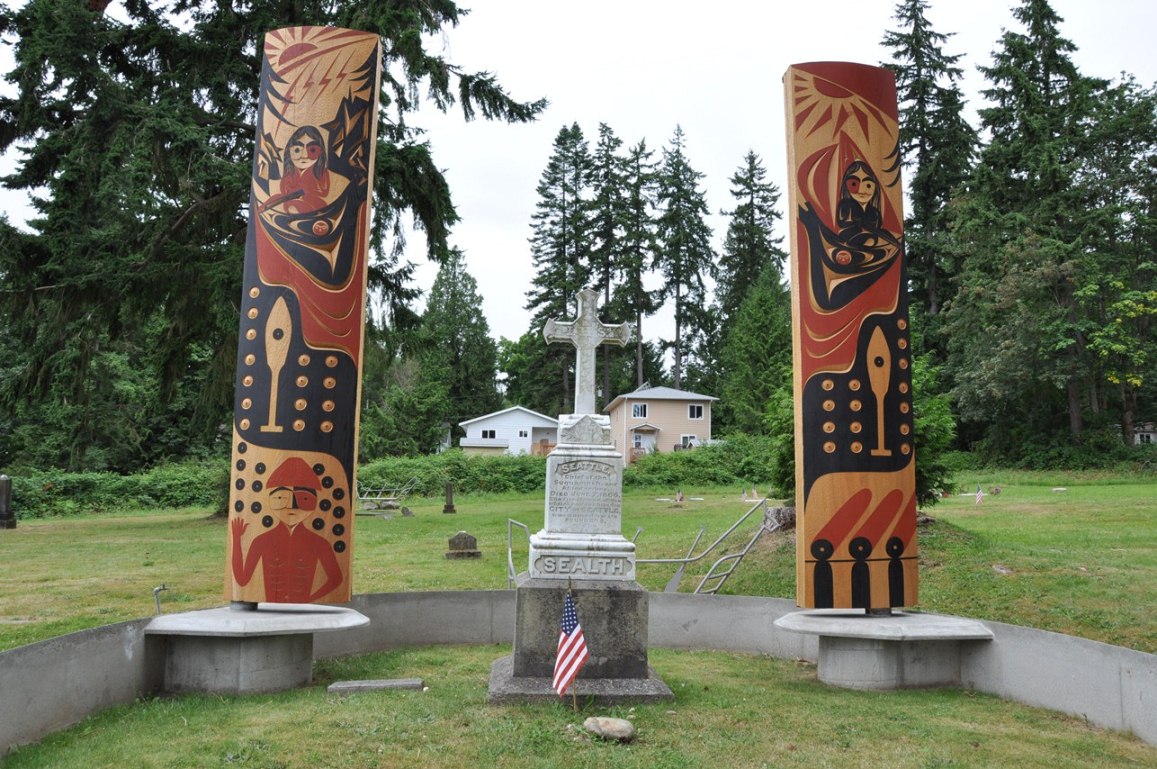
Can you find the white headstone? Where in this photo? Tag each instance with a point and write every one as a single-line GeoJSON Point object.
{"type": "Point", "coordinates": [582, 535]}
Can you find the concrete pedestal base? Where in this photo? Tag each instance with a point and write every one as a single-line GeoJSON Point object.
{"type": "Point", "coordinates": [857, 651]}
{"type": "Point", "coordinates": [614, 618]}
{"type": "Point", "coordinates": [229, 651]}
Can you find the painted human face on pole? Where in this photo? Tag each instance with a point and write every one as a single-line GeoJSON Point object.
{"type": "Point", "coordinates": [295, 428]}
{"type": "Point", "coordinates": [855, 470]}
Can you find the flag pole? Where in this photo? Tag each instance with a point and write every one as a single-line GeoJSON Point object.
{"type": "Point", "coordinates": [574, 683]}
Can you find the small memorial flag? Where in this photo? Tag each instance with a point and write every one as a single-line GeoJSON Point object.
{"type": "Point", "coordinates": [979, 494]}
{"type": "Point", "coordinates": [572, 648]}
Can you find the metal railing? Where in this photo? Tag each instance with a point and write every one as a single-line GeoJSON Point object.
{"type": "Point", "coordinates": [716, 572]}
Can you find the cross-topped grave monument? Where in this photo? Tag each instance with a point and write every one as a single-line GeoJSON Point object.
{"type": "Point", "coordinates": [581, 547]}
{"type": "Point", "coordinates": [582, 532]}
{"type": "Point", "coordinates": [586, 332]}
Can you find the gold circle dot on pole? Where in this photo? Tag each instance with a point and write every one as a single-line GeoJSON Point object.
{"type": "Point", "coordinates": [905, 429]}
{"type": "Point", "coordinates": [903, 387]}
{"type": "Point", "coordinates": [326, 426]}
{"type": "Point", "coordinates": [905, 449]}
{"type": "Point", "coordinates": [300, 404]}
{"type": "Point", "coordinates": [251, 334]}
{"type": "Point", "coordinates": [855, 405]}
{"type": "Point", "coordinates": [250, 359]}
{"type": "Point", "coordinates": [254, 292]}
{"type": "Point", "coordinates": [247, 380]}
{"type": "Point", "coordinates": [244, 424]}
{"type": "Point", "coordinates": [854, 385]}
{"type": "Point", "coordinates": [331, 361]}
{"type": "Point", "coordinates": [329, 382]}
{"type": "Point", "coordinates": [302, 380]}
{"type": "Point", "coordinates": [902, 343]}
{"type": "Point", "coordinates": [328, 405]}
{"type": "Point", "coordinates": [303, 360]}
{"type": "Point", "coordinates": [827, 384]}
{"type": "Point", "coordinates": [246, 403]}
{"type": "Point", "coordinates": [855, 427]}
{"type": "Point", "coordinates": [901, 324]}
{"type": "Point", "coordinates": [830, 447]}
{"type": "Point", "coordinates": [905, 408]}
{"type": "Point", "coordinates": [299, 424]}
{"type": "Point", "coordinates": [903, 363]}
{"type": "Point", "coordinates": [253, 313]}
{"type": "Point", "coordinates": [857, 447]}
{"type": "Point", "coordinates": [829, 427]}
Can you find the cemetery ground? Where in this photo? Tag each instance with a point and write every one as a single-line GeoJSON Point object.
{"type": "Point", "coordinates": [1078, 561]}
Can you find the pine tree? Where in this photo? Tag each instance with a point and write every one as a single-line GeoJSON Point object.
{"type": "Point", "coordinates": [638, 251]}
{"type": "Point", "coordinates": [756, 355]}
{"type": "Point", "coordinates": [751, 243]}
{"type": "Point", "coordinates": [1018, 338]}
{"type": "Point", "coordinates": [938, 146]}
{"type": "Point", "coordinates": [608, 213]}
{"type": "Point", "coordinates": [685, 256]}
{"type": "Point", "coordinates": [459, 343]}
{"type": "Point", "coordinates": [137, 139]}
{"type": "Point", "coordinates": [560, 243]}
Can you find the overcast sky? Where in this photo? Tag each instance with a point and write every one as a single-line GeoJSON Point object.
{"type": "Point", "coordinates": [645, 66]}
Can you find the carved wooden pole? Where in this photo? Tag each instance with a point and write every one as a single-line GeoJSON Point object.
{"type": "Point", "coordinates": [295, 424]}
{"type": "Point", "coordinates": [855, 472]}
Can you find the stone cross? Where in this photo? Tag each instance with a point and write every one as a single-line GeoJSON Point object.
{"type": "Point", "coordinates": [586, 332]}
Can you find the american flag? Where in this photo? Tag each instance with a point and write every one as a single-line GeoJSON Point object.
{"type": "Point", "coordinates": [572, 648]}
{"type": "Point", "coordinates": [979, 494]}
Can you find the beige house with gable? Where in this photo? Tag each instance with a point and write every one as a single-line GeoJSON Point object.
{"type": "Point", "coordinates": [659, 419]}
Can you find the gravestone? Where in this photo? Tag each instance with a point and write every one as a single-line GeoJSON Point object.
{"type": "Point", "coordinates": [449, 506]}
{"type": "Point", "coordinates": [7, 514]}
{"type": "Point", "coordinates": [581, 548]}
{"type": "Point", "coordinates": [463, 545]}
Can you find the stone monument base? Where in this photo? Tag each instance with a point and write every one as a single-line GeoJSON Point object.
{"type": "Point", "coordinates": [508, 689]}
{"type": "Point", "coordinates": [900, 651]}
{"type": "Point", "coordinates": [613, 616]}
{"type": "Point", "coordinates": [231, 651]}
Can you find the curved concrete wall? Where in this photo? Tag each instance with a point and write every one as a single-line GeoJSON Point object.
{"type": "Point", "coordinates": [52, 684]}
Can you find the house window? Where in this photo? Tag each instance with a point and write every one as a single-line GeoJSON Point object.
{"type": "Point", "coordinates": [687, 441]}
{"type": "Point", "coordinates": [638, 441]}
{"type": "Point", "coordinates": [639, 411]}
{"type": "Point", "coordinates": [488, 434]}
{"type": "Point", "coordinates": [522, 433]}
{"type": "Point", "coordinates": [695, 411]}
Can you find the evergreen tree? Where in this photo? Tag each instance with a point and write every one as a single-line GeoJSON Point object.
{"type": "Point", "coordinates": [756, 354]}
{"type": "Point", "coordinates": [751, 243]}
{"type": "Point", "coordinates": [938, 146]}
{"type": "Point", "coordinates": [458, 342]}
{"type": "Point", "coordinates": [560, 243]}
{"type": "Point", "coordinates": [139, 178]}
{"type": "Point", "coordinates": [685, 257]}
{"type": "Point", "coordinates": [1019, 341]}
{"type": "Point", "coordinates": [608, 214]}
{"type": "Point", "coordinates": [638, 251]}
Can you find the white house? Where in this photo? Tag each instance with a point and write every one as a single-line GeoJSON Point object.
{"type": "Point", "coordinates": [515, 430]}
{"type": "Point", "coordinates": [1144, 433]}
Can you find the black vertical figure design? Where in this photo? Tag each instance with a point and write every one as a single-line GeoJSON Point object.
{"type": "Point", "coordinates": [861, 549]}
{"type": "Point", "coordinates": [822, 580]}
{"type": "Point", "coordinates": [895, 549]}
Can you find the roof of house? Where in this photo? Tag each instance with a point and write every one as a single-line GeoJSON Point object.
{"type": "Point", "coordinates": [658, 394]}
{"type": "Point", "coordinates": [493, 414]}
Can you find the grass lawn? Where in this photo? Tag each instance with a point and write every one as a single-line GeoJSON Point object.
{"type": "Point", "coordinates": [1080, 561]}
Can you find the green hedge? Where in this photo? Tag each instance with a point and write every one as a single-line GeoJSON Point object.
{"type": "Point", "coordinates": [741, 460]}
{"type": "Point", "coordinates": [186, 484]}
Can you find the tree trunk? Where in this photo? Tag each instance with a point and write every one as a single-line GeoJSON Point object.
{"type": "Point", "coordinates": [1076, 420]}
{"type": "Point", "coordinates": [1128, 409]}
